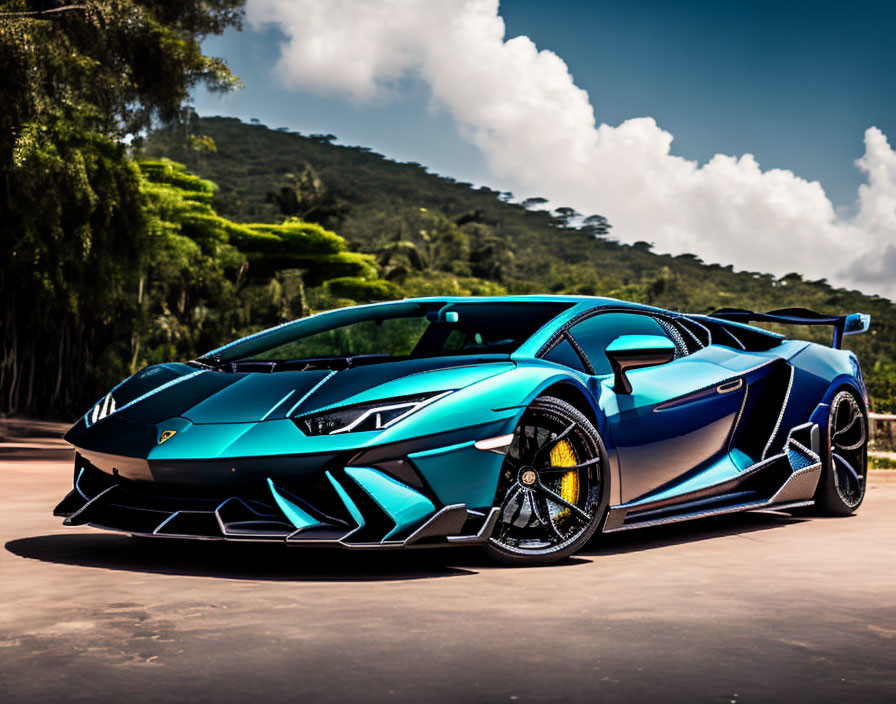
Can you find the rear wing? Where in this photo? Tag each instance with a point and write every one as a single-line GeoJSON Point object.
{"type": "Point", "coordinates": [843, 324]}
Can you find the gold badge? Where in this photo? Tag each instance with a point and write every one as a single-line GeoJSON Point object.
{"type": "Point", "coordinates": [166, 434]}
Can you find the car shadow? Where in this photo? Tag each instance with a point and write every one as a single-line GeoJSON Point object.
{"type": "Point", "coordinates": [232, 560]}
{"type": "Point", "coordinates": [262, 562]}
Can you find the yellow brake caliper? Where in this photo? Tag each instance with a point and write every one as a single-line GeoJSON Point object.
{"type": "Point", "coordinates": [562, 455]}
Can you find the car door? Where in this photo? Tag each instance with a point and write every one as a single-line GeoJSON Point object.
{"type": "Point", "coordinates": [679, 416]}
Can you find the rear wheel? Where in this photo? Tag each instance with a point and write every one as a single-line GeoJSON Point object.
{"type": "Point", "coordinates": [842, 485]}
{"type": "Point", "coordinates": [553, 489]}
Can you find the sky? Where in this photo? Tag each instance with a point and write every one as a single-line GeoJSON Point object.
{"type": "Point", "coordinates": [755, 133]}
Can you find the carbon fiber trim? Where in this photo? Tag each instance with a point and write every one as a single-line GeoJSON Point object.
{"type": "Point", "coordinates": [800, 465]}
{"type": "Point", "coordinates": [101, 501]}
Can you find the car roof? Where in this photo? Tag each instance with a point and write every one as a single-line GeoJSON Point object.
{"type": "Point", "coordinates": [530, 298]}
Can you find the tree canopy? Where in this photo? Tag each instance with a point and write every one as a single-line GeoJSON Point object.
{"type": "Point", "coordinates": [78, 80]}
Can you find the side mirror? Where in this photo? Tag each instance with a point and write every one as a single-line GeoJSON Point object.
{"type": "Point", "coordinates": [636, 351]}
{"type": "Point", "coordinates": [856, 323]}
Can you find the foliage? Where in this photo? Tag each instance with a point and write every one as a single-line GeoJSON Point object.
{"type": "Point", "coordinates": [881, 380]}
{"type": "Point", "coordinates": [431, 235]}
{"type": "Point", "coordinates": [876, 461]}
{"type": "Point", "coordinates": [361, 290]}
{"type": "Point", "coordinates": [209, 279]}
{"type": "Point", "coordinates": [77, 79]}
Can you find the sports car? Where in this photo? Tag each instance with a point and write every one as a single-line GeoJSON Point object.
{"type": "Point", "coordinates": [521, 424]}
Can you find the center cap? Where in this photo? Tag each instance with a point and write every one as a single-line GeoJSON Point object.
{"type": "Point", "coordinates": [528, 477]}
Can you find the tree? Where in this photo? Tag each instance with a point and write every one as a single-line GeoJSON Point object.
{"type": "Point", "coordinates": [566, 215]}
{"type": "Point", "coordinates": [304, 195]}
{"type": "Point", "coordinates": [211, 279]}
{"type": "Point", "coordinates": [596, 226]}
{"type": "Point", "coordinates": [77, 80]}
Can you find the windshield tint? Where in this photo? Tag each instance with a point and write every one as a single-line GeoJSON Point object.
{"type": "Point", "coordinates": [401, 330]}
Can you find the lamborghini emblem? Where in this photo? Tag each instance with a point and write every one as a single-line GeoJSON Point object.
{"type": "Point", "coordinates": [166, 434]}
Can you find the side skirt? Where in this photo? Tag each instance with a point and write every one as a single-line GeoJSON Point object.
{"type": "Point", "coordinates": [783, 481]}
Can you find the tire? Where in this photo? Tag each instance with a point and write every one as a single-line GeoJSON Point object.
{"type": "Point", "coordinates": [554, 486]}
{"type": "Point", "coordinates": [841, 488]}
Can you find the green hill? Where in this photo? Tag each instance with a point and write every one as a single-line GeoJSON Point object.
{"type": "Point", "coordinates": [431, 234]}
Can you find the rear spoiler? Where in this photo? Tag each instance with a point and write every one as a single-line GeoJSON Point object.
{"type": "Point", "coordinates": [843, 324]}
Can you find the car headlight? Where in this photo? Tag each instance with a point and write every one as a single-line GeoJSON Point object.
{"type": "Point", "coordinates": [102, 408]}
{"type": "Point", "coordinates": [365, 416]}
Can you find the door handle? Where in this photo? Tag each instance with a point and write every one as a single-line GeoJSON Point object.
{"type": "Point", "coordinates": [730, 386]}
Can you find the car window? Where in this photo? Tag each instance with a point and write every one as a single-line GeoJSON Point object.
{"type": "Point", "coordinates": [595, 333]}
{"type": "Point", "coordinates": [563, 353]}
{"type": "Point", "coordinates": [405, 329]}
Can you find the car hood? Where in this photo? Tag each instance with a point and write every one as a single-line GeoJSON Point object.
{"type": "Point", "coordinates": [205, 396]}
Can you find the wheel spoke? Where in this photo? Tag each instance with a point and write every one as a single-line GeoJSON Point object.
{"type": "Point", "coordinates": [510, 496]}
{"type": "Point", "coordinates": [847, 427]}
{"type": "Point", "coordinates": [549, 445]}
{"type": "Point", "coordinates": [557, 499]}
{"type": "Point", "coordinates": [849, 448]}
{"type": "Point", "coordinates": [544, 515]}
{"type": "Point", "coordinates": [844, 408]}
{"type": "Point", "coordinates": [840, 434]}
{"type": "Point", "coordinates": [850, 472]}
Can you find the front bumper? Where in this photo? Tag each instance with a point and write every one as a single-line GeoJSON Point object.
{"type": "Point", "coordinates": [383, 497]}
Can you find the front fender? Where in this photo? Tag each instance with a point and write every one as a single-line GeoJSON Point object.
{"type": "Point", "coordinates": [503, 397]}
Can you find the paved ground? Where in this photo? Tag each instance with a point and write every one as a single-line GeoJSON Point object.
{"type": "Point", "coordinates": [756, 607]}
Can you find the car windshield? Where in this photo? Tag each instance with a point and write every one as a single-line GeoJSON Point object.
{"type": "Point", "coordinates": [407, 329]}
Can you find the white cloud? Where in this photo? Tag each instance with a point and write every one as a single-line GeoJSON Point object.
{"type": "Point", "coordinates": [537, 130]}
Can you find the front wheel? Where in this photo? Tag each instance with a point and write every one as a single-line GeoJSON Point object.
{"type": "Point", "coordinates": [845, 466]}
{"type": "Point", "coordinates": [554, 486]}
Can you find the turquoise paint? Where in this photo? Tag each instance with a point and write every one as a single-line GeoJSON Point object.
{"type": "Point", "coordinates": [353, 509]}
{"type": "Point", "coordinates": [461, 474]}
{"type": "Point", "coordinates": [441, 450]}
{"type": "Point", "coordinates": [273, 437]}
{"type": "Point", "coordinates": [626, 343]}
{"type": "Point", "coordinates": [198, 441]}
{"type": "Point", "coordinates": [741, 459]}
{"type": "Point", "coordinates": [298, 403]}
{"type": "Point", "coordinates": [495, 398]}
{"type": "Point", "coordinates": [278, 404]}
{"type": "Point", "coordinates": [432, 381]}
{"type": "Point", "coordinates": [402, 504]}
{"type": "Point", "coordinates": [252, 398]}
{"type": "Point", "coordinates": [299, 518]}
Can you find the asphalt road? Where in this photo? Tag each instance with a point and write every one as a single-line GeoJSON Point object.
{"type": "Point", "coordinates": [746, 608]}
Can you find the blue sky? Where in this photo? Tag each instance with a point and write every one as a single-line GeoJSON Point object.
{"type": "Point", "coordinates": [728, 129]}
{"type": "Point", "coordinates": [794, 82]}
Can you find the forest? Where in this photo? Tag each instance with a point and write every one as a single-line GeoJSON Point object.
{"type": "Point", "coordinates": [137, 232]}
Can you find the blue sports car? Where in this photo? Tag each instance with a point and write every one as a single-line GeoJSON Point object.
{"type": "Point", "coordinates": [521, 424]}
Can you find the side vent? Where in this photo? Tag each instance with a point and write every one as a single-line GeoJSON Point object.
{"type": "Point", "coordinates": [405, 506]}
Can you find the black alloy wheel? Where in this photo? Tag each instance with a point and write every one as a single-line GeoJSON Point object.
{"type": "Point", "coordinates": [845, 468]}
{"type": "Point", "coordinates": [554, 486]}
